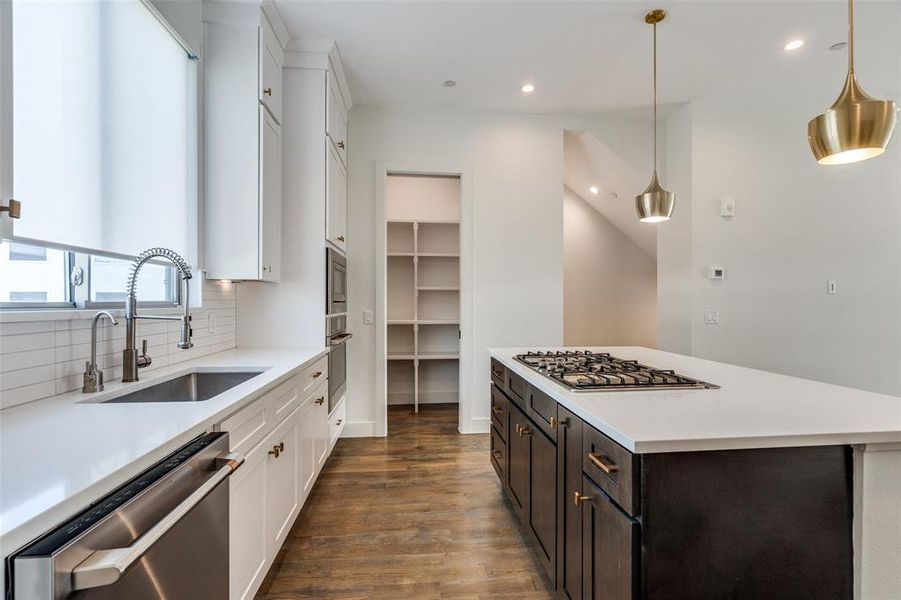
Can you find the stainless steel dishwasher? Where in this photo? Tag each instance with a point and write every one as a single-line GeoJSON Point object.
{"type": "Point", "coordinates": [164, 534]}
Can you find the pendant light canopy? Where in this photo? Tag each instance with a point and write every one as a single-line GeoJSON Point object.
{"type": "Point", "coordinates": [655, 204]}
{"type": "Point", "coordinates": [856, 127]}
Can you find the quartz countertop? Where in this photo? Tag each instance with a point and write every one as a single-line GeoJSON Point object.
{"type": "Point", "coordinates": [752, 408]}
{"type": "Point", "coordinates": [60, 454]}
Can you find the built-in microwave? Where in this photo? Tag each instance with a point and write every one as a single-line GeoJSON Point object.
{"type": "Point", "coordinates": [336, 282]}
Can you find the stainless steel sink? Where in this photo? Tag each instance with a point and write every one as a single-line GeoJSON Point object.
{"type": "Point", "coordinates": [193, 387]}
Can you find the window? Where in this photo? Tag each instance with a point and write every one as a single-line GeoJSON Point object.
{"type": "Point", "coordinates": [104, 122]}
{"type": "Point", "coordinates": [36, 277]}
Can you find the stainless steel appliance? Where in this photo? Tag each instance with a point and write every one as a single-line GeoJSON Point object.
{"type": "Point", "coordinates": [336, 282]}
{"type": "Point", "coordinates": [164, 534]}
{"type": "Point", "coordinates": [337, 359]}
{"type": "Point", "coordinates": [582, 370]}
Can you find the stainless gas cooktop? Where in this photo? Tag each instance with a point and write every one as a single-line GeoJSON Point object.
{"type": "Point", "coordinates": [581, 370]}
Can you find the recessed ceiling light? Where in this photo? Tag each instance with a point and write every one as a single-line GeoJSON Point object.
{"type": "Point", "coordinates": [838, 46]}
{"type": "Point", "coordinates": [527, 88]}
{"type": "Point", "coordinates": [594, 190]}
{"type": "Point", "coordinates": [450, 83]}
{"type": "Point", "coordinates": [794, 45]}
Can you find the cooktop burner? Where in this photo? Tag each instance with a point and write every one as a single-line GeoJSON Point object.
{"type": "Point", "coordinates": [581, 370]}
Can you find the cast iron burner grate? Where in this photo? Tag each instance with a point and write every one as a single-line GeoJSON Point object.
{"type": "Point", "coordinates": [582, 370]}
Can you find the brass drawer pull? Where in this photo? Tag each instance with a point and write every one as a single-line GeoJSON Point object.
{"type": "Point", "coordinates": [317, 374]}
{"type": "Point", "coordinates": [498, 373]}
{"type": "Point", "coordinates": [522, 430]}
{"type": "Point", "coordinates": [601, 462]}
{"type": "Point", "coordinates": [340, 145]}
{"type": "Point", "coordinates": [320, 400]}
{"type": "Point", "coordinates": [277, 449]}
{"type": "Point", "coordinates": [497, 455]}
{"type": "Point", "coordinates": [578, 498]}
{"type": "Point", "coordinates": [497, 411]}
{"type": "Point", "coordinates": [268, 91]}
{"type": "Point", "coordinates": [340, 238]}
{"type": "Point", "coordinates": [553, 422]}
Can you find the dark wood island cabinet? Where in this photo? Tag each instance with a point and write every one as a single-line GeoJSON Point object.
{"type": "Point", "coordinates": [772, 523]}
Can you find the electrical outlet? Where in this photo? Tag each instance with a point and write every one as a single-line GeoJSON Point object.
{"type": "Point", "coordinates": [712, 316]}
{"type": "Point", "coordinates": [367, 317]}
{"type": "Point", "coordinates": [831, 287]}
{"type": "Point", "coordinates": [727, 208]}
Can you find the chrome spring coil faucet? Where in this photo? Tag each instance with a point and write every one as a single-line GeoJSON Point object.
{"type": "Point", "coordinates": [131, 360]}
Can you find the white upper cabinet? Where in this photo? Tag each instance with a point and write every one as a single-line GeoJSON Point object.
{"type": "Point", "coordinates": [242, 146]}
{"type": "Point", "coordinates": [336, 120]}
{"type": "Point", "coordinates": [336, 191]}
{"type": "Point", "coordinates": [270, 72]}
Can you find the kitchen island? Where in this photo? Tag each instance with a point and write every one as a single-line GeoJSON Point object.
{"type": "Point", "coordinates": [745, 490]}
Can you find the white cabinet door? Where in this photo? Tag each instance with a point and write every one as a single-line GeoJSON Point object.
{"type": "Point", "coordinates": [320, 423]}
{"type": "Point", "coordinates": [307, 453]}
{"type": "Point", "coordinates": [270, 72]}
{"type": "Point", "coordinates": [247, 525]}
{"type": "Point", "coordinates": [336, 193]}
{"type": "Point", "coordinates": [336, 121]}
{"type": "Point", "coordinates": [282, 484]}
{"type": "Point", "coordinates": [270, 198]}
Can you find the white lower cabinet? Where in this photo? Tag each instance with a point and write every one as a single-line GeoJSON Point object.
{"type": "Point", "coordinates": [247, 525]}
{"type": "Point", "coordinates": [282, 481]}
{"type": "Point", "coordinates": [268, 490]}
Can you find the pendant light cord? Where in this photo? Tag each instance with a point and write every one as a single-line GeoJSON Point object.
{"type": "Point", "coordinates": [655, 98]}
{"type": "Point", "coordinates": [851, 36]}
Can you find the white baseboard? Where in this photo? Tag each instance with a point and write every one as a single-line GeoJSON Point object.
{"type": "Point", "coordinates": [356, 429]}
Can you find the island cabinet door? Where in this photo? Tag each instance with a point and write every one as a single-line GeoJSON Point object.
{"type": "Point", "coordinates": [542, 507]}
{"type": "Point", "coordinates": [610, 548]}
{"type": "Point", "coordinates": [569, 520]}
{"type": "Point", "coordinates": [518, 462]}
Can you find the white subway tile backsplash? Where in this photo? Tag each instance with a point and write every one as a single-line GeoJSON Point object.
{"type": "Point", "coordinates": [43, 358]}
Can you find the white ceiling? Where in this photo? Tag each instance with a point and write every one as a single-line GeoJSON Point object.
{"type": "Point", "coordinates": [588, 162]}
{"type": "Point", "coordinates": [582, 56]}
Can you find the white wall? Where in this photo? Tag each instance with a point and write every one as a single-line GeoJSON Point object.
{"type": "Point", "coordinates": [515, 164]}
{"type": "Point", "coordinates": [609, 282]}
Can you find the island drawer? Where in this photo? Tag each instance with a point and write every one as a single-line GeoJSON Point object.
{"type": "Point", "coordinates": [517, 389]}
{"type": "Point", "coordinates": [499, 455]}
{"type": "Point", "coordinates": [314, 374]}
{"type": "Point", "coordinates": [498, 373]}
{"type": "Point", "coordinates": [499, 411]}
{"type": "Point", "coordinates": [542, 409]}
{"type": "Point", "coordinates": [613, 468]}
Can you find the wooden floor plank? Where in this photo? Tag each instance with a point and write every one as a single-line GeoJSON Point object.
{"type": "Point", "coordinates": [419, 514]}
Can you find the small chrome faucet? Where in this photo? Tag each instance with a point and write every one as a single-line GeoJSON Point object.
{"type": "Point", "coordinates": [131, 360]}
{"type": "Point", "coordinates": [93, 377]}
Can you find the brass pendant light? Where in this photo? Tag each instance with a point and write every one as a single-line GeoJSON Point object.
{"type": "Point", "coordinates": [856, 127]}
{"type": "Point", "coordinates": [655, 204]}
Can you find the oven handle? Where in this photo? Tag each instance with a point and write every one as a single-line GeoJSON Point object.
{"type": "Point", "coordinates": [105, 567]}
{"type": "Point", "coordinates": [339, 339]}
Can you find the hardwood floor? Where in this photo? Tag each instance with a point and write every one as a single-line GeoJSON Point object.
{"type": "Point", "coordinates": [416, 515]}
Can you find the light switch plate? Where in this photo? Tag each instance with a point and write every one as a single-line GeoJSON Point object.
{"type": "Point", "coordinates": [727, 208]}
{"type": "Point", "coordinates": [712, 316]}
{"type": "Point", "coordinates": [367, 317]}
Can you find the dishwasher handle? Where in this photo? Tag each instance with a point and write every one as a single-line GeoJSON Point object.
{"type": "Point", "coordinates": [106, 567]}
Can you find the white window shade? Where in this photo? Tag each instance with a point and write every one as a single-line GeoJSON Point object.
{"type": "Point", "coordinates": [102, 118]}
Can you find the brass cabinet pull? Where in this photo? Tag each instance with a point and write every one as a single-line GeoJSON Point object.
{"type": "Point", "coordinates": [14, 209]}
{"type": "Point", "coordinates": [281, 446]}
{"type": "Point", "coordinates": [497, 455]}
{"type": "Point", "coordinates": [317, 374]}
{"type": "Point", "coordinates": [578, 498]}
{"type": "Point", "coordinates": [320, 400]}
{"type": "Point", "coordinates": [268, 91]}
{"type": "Point", "coordinates": [497, 411]}
{"type": "Point", "coordinates": [602, 463]}
{"type": "Point", "coordinates": [498, 373]}
{"type": "Point", "coordinates": [523, 430]}
{"type": "Point", "coordinates": [340, 238]}
{"type": "Point", "coordinates": [340, 145]}
{"type": "Point", "coordinates": [553, 422]}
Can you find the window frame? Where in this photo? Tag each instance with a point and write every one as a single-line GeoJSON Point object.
{"type": "Point", "coordinates": [79, 296]}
